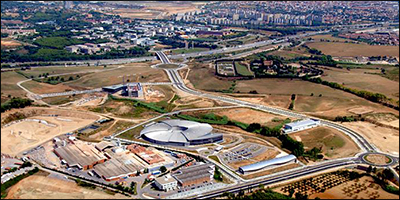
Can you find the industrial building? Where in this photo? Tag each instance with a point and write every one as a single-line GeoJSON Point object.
{"type": "Point", "coordinates": [267, 163]}
{"type": "Point", "coordinates": [166, 183]}
{"type": "Point", "coordinates": [300, 125]}
{"type": "Point", "coordinates": [152, 158]}
{"type": "Point", "coordinates": [121, 165]}
{"type": "Point", "coordinates": [180, 133]}
{"type": "Point", "coordinates": [80, 155]}
{"type": "Point", "coordinates": [127, 89]}
{"type": "Point", "coordinates": [195, 174]}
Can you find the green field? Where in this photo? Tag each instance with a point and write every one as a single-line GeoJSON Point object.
{"type": "Point", "coordinates": [350, 49]}
{"type": "Point", "coordinates": [242, 69]}
{"type": "Point", "coordinates": [191, 50]}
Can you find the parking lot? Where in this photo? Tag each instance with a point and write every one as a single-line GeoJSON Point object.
{"type": "Point", "coordinates": [243, 152]}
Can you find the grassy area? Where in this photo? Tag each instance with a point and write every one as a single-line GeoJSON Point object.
{"type": "Point", "coordinates": [36, 71]}
{"type": "Point", "coordinates": [214, 158]}
{"type": "Point", "coordinates": [184, 51]}
{"type": "Point", "coordinates": [392, 74]}
{"type": "Point", "coordinates": [131, 134]}
{"type": "Point", "coordinates": [62, 99]}
{"type": "Point", "coordinates": [203, 78]}
{"type": "Point", "coordinates": [168, 66]}
{"type": "Point", "coordinates": [242, 69]}
{"type": "Point", "coordinates": [9, 85]}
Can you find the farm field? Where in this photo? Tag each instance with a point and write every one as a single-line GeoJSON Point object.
{"type": "Point", "coordinates": [9, 85]}
{"type": "Point", "coordinates": [41, 186]}
{"type": "Point", "coordinates": [317, 38]}
{"type": "Point", "coordinates": [372, 189]}
{"type": "Point", "coordinates": [361, 79]}
{"type": "Point", "coordinates": [334, 143]}
{"type": "Point", "coordinates": [386, 139]}
{"type": "Point", "coordinates": [332, 102]}
{"type": "Point", "coordinates": [349, 49]}
{"type": "Point", "coordinates": [27, 134]}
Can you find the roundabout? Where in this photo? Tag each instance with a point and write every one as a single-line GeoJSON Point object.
{"type": "Point", "coordinates": [378, 159]}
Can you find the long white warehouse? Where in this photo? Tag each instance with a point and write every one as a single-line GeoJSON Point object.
{"type": "Point", "coordinates": [300, 125]}
{"type": "Point", "coordinates": [267, 163]}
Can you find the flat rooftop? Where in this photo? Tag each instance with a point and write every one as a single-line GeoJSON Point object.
{"type": "Point", "coordinates": [79, 154]}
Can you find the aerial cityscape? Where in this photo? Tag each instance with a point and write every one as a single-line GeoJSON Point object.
{"type": "Point", "coordinates": [200, 100]}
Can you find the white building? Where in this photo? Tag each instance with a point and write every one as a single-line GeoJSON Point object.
{"type": "Point", "coordinates": [166, 183]}
{"type": "Point", "coordinates": [300, 125]}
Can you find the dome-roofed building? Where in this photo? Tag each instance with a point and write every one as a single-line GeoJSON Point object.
{"type": "Point", "coordinates": [180, 133]}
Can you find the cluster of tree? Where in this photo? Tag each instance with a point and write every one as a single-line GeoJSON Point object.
{"type": "Point", "coordinates": [85, 184]}
{"type": "Point", "coordinates": [323, 60]}
{"type": "Point", "coordinates": [292, 98]}
{"type": "Point", "coordinates": [217, 174]}
{"type": "Point", "coordinates": [297, 148]}
{"type": "Point", "coordinates": [374, 97]}
{"type": "Point", "coordinates": [314, 153]}
{"type": "Point", "coordinates": [57, 42]}
{"type": "Point", "coordinates": [174, 42]}
{"type": "Point", "coordinates": [47, 54]}
{"type": "Point", "coordinates": [235, 35]}
{"type": "Point", "coordinates": [259, 194]}
{"type": "Point", "coordinates": [4, 35]}
{"type": "Point", "coordinates": [348, 118]}
{"type": "Point", "coordinates": [15, 102]}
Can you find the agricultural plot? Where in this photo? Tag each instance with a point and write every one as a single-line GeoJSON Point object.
{"type": "Point", "coordinates": [353, 50]}
{"type": "Point", "coordinates": [365, 79]}
{"type": "Point", "coordinates": [184, 51]}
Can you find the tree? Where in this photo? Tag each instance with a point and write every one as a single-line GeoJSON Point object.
{"type": "Point", "coordinates": [62, 79]}
{"type": "Point", "coordinates": [163, 169]}
{"type": "Point", "coordinates": [291, 192]}
{"type": "Point", "coordinates": [320, 95]}
{"type": "Point", "coordinates": [312, 94]}
{"type": "Point", "coordinates": [70, 78]}
{"type": "Point", "coordinates": [369, 170]}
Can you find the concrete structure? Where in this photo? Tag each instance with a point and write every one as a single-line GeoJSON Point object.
{"type": "Point", "coordinates": [152, 158]}
{"type": "Point", "coordinates": [195, 174]}
{"type": "Point", "coordinates": [180, 133]}
{"type": "Point", "coordinates": [267, 163]}
{"type": "Point", "coordinates": [300, 125]}
{"type": "Point", "coordinates": [132, 90]}
{"type": "Point", "coordinates": [166, 183]}
{"type": "Point", "coordinates": [113, 88]}
{"type": "Point", "coordinates": [80, 155]}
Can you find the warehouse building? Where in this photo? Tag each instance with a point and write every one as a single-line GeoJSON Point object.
{"type": "Point", "coordinates": [121, 165]}
{"type": "Point", "coordinates": [300, 125]}
{"type": "Point", "coordinates": [153, 158]}
{"type": "Point", "coordinates": [180, 133]}
{"type": "Point", "coordinates": [195, 174]}
{"type": "Point", "coordinates": [80, 155]}
{"type": "Point", "coordinates": [268, 163]}
{"type": "Point", "coordinates": [166, 183]}
{"type": "Point", "coordinates": [113, 88]}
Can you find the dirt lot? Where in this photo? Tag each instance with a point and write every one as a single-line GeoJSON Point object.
{"type": "Point", "coordinates": [43, 88]}
{"type": "Point", "coordinates": [377, 159]}
{"type": "Point", "coordinates": [9, 44]}
{"type": "Point", "coordinates": [333, 142]}
{"type": "Point", "coordinates": [338, 192]}
{"type": "Point", "coordinates": [349, 49]}
{"type": "Point", "coordinates": [249, 116]}
{"type": "Point", "coordinates": [39, 187]}
{"type": "Point", "coordinates": [359, 79]}
{"type": "Point", "coordinates": [26, 134]}
{"type": "Point", "coordinates": [386, 139]}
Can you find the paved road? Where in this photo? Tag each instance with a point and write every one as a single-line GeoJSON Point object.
{"type": "Point", "coordinates": [305, 170]}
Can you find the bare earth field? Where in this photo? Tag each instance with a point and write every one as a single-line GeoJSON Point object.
{"type": "Point", "coordinates": [6, 44]}
{"type": "Point", "coordinates": [9, 85]}
{"type": "Point", "coordinates": [26, 134]}
{"type": "Point", "coordinates": [338, 191]}
{"type": "Point", "coordinates": [333, 142]}
{"type": "Point", "coordinates": [358, 79]}
{"type": "Point", "coordinates": [43, 88]}
{"type": "Point", "coordinates": [202, 77]}
{"type": "Point", "coordinates": [249, 116]}
{"type": "Point", "coordinates": [349, 49]}
{"type": "Point", "coordinates": [271, 171]}
{"type": "Point", "coordinates": [39, 187]}
{"type": "Point", "coordinates": [386, 139]}
{"type": "Point", "coordinates": [35, 71]}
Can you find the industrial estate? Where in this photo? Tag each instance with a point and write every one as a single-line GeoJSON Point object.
{"type": "Point", "coordinates": [224, 100]}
